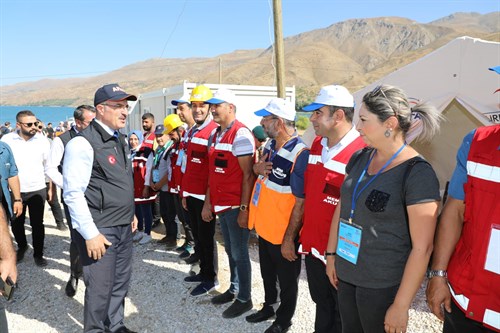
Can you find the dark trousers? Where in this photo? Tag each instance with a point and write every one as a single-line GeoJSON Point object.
{"type": "Point", "coordinates": [457, 322]}
{"type": "Point", "coordinates": [107, 280]}
{"type": "Point", "coordinates": [35, 202]}
{"type": "Point", "coordinates": [279, 274]}
{"type": "Point", "coordinates": [4, 328]}
{"type": "Point", "coordinates": [204, 232]}
{"type": "Point", "coordinates": [363, 309]}
{"type": "Point", "coordinates": [74, 255]}
{"type": "Point", "coordinates": [168, 214]}
{"type": "Point", "coordinates": [155, 210]}
{"type": "Point", "coordinates": [144, 217]}
{"type": "Point", "coordinates": [324, 295]}
{"type": "Point", "coordinates": [183, 216]}
{"type": "Point", "coordinates": [55, 207]}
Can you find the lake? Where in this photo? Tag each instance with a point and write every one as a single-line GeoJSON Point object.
{"type": "Point", "coordinates": [52, 114]}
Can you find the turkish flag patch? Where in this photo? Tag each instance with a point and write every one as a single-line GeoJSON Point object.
{"type": "Point", "coordinates": [111, 159]}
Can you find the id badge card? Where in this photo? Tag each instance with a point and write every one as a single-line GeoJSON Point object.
{"type": "Point", "coordinates": [156, 175]}
{"type": "Point", "coordinates": [183, 162]}
{"type": "Point", "coordinates": [180, 157]}
{"type": "Point", "coordinates": [349, 241]}
{"type": "Point", "coordinates": [256, 193]}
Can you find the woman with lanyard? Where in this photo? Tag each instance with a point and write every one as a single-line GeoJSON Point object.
{"type": "Point", "coordinates": [381, 237]}
{"type": "Point", "coordinates": [139, 155]}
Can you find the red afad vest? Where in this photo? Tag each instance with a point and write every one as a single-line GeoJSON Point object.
{"type": "Point", "coordinates": [225, 175]}
{"type": "Point", "coordinates": [475, 288]}
{"type": "Point", "coordinates": [149, 139]}
{"type": "Point", "coordinates": [322, 187]}
{"type": "Point", "coordinates": [195, 179]}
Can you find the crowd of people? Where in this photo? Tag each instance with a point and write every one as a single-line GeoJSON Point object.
{"type": "Point", "coordinates": [360, 206]}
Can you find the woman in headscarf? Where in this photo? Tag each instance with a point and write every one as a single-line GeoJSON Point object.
{"type": "Point", "coordinates": [139, 156]}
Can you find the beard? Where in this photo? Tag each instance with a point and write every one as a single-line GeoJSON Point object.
{"type": "Point", "coordinates": [147, 128]}
{"type": "Point", "coordinates": [30, 133]}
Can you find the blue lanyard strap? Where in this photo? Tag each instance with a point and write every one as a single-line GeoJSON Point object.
{"type": "Point", "coordinates": [355, 194]}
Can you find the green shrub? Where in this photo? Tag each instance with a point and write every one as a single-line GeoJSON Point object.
{"type": "Point", "coordinates": [302, 122]}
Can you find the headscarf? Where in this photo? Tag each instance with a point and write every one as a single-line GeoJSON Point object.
{"type": "Point", "coordinates": [139, 135]}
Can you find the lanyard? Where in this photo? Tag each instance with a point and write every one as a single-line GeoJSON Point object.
{"type": "Point", "coordinates": [355, 196]}
{"type": "Point", "coordinates": [158, 154]}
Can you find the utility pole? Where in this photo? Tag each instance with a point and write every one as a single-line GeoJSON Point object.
{"type": "Point", "coordinates": [220, 70]}
{"type": "Point", "coordinates": [279, 48]}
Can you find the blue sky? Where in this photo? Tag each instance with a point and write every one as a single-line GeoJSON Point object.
{"type": "Point", "coordinates": [77, 38]}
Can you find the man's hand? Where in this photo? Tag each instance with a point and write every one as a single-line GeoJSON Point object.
{"type": "Point", "coordinates": [206, 213]}
{"type": "Point", "coordinates": [134, 223]}
{"type": "Point", "coordinates": [262, 167]}
{"type": "Point", "coordinates": [288, 250]}
{"type": "Point", "coordinates": [145, 192]}
{"type": "Point", "coordinates": [243, 219]}
{"type": "Point", "coordinates": [396, 319]}
{"type": "Point", "coordinates": [96, 247]}
{"type": "Point", "coordinates": [331, 272]}
{"type": "Point", "coordinates": [17, 208]}
{"type": "Point", "coordinates": [438, 296]}
{"type": "Point", "coordinates": [184, 203]}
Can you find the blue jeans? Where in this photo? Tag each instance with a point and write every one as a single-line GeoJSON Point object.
{"type": "Point", "coordinates": [236, 246]}
{"type": "Point", "coordinates": [144, 217]}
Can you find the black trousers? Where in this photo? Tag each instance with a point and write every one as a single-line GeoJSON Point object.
{"type": "Point", "coordinates": [35, 202]}
{"type": "Point", "coordinates": [324, 295]}
{"type": "Point", "coordinates": [204, 232]}
{"type": "Point", "coordinates": [363, 309]}
{"type": "Point", "coordinates": [4, 327]}
{"type": "Point", "coordinates": [55, 207]}
{"type": "Point", "coordinates": [457, 322]}
{"type": "Point", "coordinates": [279, 276]}
{"type": "Point", "coordinates": [107, 280]}
{"type": "Point", "coordinates": [74, 255]}
{"type": "Point", "coordinates": [168, 214]}
{"type": "Point", "coordinates": [183, 216]}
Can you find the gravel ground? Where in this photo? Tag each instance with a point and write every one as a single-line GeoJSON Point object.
{"type": "Point", "coordinates": [158, 299]}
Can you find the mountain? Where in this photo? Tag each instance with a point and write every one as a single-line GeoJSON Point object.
{"type": "Point", "coordinates": [353, 53]}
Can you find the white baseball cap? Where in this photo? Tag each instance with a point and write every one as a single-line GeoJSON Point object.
{"type": "Point", "coordinates": [279, 107]}
{"type": "Point", "coordinates": [331, 95]}
{"type": "Point", "coordinates": [183, 99]}
{"type": "Point", "coordinates": [223, 95]}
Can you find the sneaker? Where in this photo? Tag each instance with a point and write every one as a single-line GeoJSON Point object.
{"type": "Point", "coordinates": [192, 259]}
{"type": "Point", "coordinates": [145, 239]}
{"type": "Point", "coordinates": [188, 251]}
{"type": "Point", "coordinates": [193, 278]}
{"type": "Point", "coordinates": [138, 236]}
{"type": "Point", "coordinates": [203, 288]}
{"type": "Point", "coordinates": [237, 309]}
{"type": "Point", "coordinates": [164, 240]}
{"type": "Point", "coordinates": [40, 261]}
{"type": "Point", "coordinates": [181, 248]}
{"type": "Point", "coordinates": [20, 253]}
{"type": "Point", "coordinates": [226, 297]}
{"type": "Point", "coordinates": [171, 244]}
{"type": "Point", "coordinates": [61, 226]}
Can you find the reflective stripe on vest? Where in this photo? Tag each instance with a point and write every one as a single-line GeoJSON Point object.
{"type": "Point", "coordinates": [483, 171]}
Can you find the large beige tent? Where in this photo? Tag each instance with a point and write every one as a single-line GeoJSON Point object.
{"type": "Point", "coordinates": [454, 78]}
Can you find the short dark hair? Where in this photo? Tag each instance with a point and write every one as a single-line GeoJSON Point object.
{"type": "Point", "coordinates": [79, 111]}
{"type": "Point", "coordinates": [24, 113]}
{"type": "Point", "coordinates": [348, 111]}
{"type": "Point", "coordinates": [148, 115]}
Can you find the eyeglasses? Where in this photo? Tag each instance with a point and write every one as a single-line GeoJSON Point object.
{"type": "Point", "coordinates": [29, 124]}
{"type": "Point", "coordinates": [118, 106]}
{"type": "Point", "coordinates": [40, 127]}
{"type": "Point", "coordinates": [378, 89]}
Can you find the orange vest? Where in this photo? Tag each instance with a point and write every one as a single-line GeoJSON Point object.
{"type": "Point", "coordinates": [272, 199]}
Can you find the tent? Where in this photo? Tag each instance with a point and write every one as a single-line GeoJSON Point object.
{"type": "Point", "coordinates": [454, 78]}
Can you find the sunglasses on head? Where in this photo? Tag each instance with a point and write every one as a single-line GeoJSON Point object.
{"type": "Point", "coordinates": [36, 123]}
{"type": "Point", "coordinates": [379, 91]}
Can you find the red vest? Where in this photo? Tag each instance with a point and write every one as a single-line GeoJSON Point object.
{"type": "Point", "coordinates": [149, 140]}
{"type": "Point", "coordinates": [176, 175]}
{"type": "Point", "coordinates": [139, 170]}
{"type": "Point", "coordinates": [225, 175]}
{"type": "Point", "coordinates": [475, 289]}
{"type": "Point", "coordinates": [322, 187]}
{"type": "Point", "coordinates": [195, 179]}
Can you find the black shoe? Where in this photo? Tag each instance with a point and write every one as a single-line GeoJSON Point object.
{"type": "Point", "coordinates": [20, 253]}
{"type": "Point", "coordinates": [61, 226]}
{"type": "Point", "coordinates": [263, 314]}
{"type": "Point", "coordinates": [40, 261]}
{"type": "Point", "coordinates": [237, 309]}
{"type": "Point", "coordinates": [277, 328]}
{"type": "Point", "coordinates": [124, 330]}
{"type": "Point", "coordinates": [71, 286]}
{"type": "Point", "coordinates": [226, 297]}
{"type": "Point", "coordinates": [192, 259]}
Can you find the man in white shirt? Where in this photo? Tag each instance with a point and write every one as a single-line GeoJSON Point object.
{"type": "Point", "coordinates": [30, 150]}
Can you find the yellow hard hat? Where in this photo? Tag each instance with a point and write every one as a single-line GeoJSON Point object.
{"type": "Point", "coordinates": [201, 93]}
{"type": "Point", "coordinates": [171, 122]}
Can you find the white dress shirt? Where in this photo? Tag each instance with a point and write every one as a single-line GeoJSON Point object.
{"type": "Point", "coordinates": [329, 153]}
{"type": "Point", "coordinates": [30, 156]}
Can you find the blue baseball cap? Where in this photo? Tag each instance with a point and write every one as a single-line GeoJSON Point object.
{"type": "Point", "coordinates": [112, 92]}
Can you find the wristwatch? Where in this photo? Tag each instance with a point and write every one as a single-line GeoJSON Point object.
{"type": "Point", "coordinates": [433, 273]}
{"type": "Point", "coordinates": [243, 208]}
{"type": "Point", "coordinates": [330, 254]}
{"type": "Point", "coordinates": [18, 200]}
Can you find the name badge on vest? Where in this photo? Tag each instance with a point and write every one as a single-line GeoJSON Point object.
{"type": "Point", "coordinates": [256, 193]}
{"type": "Point", "coordinates": [349, 241]}
{"type": "Point", "coordinates": [156, 175]}
{"type": "Point", "coordinates": [183, 160]}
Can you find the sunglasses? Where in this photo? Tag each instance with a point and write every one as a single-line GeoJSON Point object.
{"type": "Point", "coordinates": [378, 89]}
{"type": "Point", "coordinates": [36, 123]}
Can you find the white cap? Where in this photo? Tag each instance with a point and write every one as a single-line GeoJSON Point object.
{"type": "Point", "coordinates": [223, 95]}
{"type": "Point", "coordinates": [279, 107]}
{"type": "Point", "coordinates": [183, 99]}
{"type": "Point", "coordinates": [331, 95]}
